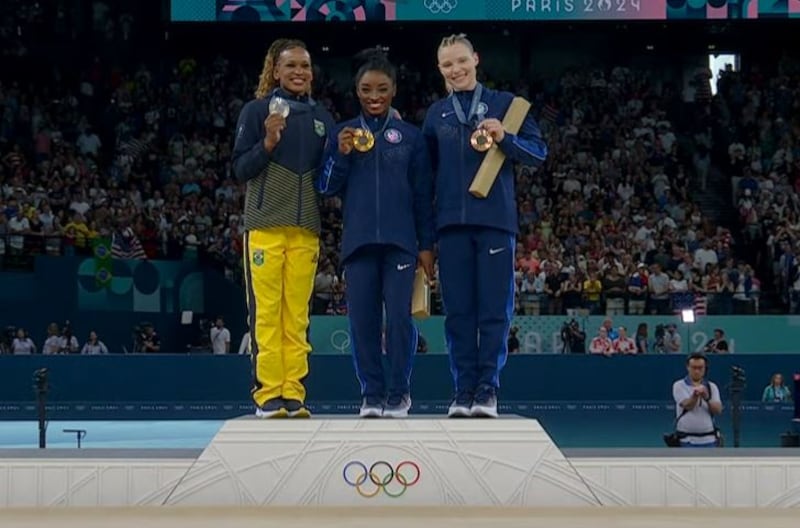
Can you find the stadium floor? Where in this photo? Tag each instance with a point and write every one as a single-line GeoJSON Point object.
{"type": "Point", "coordinates": [390, 517]}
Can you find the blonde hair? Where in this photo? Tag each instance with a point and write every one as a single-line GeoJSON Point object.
{"type": "Point", "coordinates": [266, 82]}
{"type": "Point", "coordinates": [458, 38]}
{"type": "Point", "coordinates": [450, 40]}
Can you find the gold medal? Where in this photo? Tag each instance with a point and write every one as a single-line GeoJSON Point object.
{"type": "Point", "coordinates": [481, 140]}
{"type": "Point", "coordinates": [363, 140]}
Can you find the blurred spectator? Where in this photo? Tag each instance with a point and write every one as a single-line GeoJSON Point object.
{"type": "Point", "coordinates": [94, 346]}
{"type": "Point", "coordinates": [68, 343]}
{"type": "Point", "coordinates": [244, 345]}
{"type": "Point", "coordinates": [601, 344]}
{"type": "Point", "coordinates": [624, 344]}
{"type": "Point", "coordinates": [220, 337]}
{"type": "Point", "coordinates": [53, 344]}
{"type": "Point", "coordinates": [717, 345]}
{"type": "Point", "coordinates": [642, 342]}
{"type": "Point", "coordinates": [22, 344]}
{"type": "Point", "coordinates": [776, 391]}
{"type": "Point", "coordinates": [573, 338]}
{"type": "Point", "coordinates": [672, 340]}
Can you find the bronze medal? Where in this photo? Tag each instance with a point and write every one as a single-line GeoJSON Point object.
{"type": "Point", "coordinates": [481, 140]}
{"type": "Point", "coordinates": [363, 140]}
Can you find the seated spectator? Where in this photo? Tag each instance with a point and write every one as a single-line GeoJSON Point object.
{"type": "Point", "coordinates": [776, 391]}
{"type": "Point", "coordinates": [94, 346]}
{"type": "Point", "coordinates": [22, 344]}
{"type": "Point", "coordinates": [624, 344]}
{"type": "Point", "coordinates": [601, 344]}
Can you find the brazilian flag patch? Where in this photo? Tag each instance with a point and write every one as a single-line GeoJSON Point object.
{"type": "Point", "coordinates": [319, 128]}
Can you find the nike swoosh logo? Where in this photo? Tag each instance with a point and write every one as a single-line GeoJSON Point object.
{"type": "Point", "coordinates": [445, 114]}
{"type": "Point", "coordinates": [401, 267]}
{"type": "Point", "coordinates": [496, 251]}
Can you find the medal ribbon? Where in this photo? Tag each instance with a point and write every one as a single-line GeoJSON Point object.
{"type": "Point", "coordinates": [383, 126]}
{"type": "Point", "coordinates": [473, 108]}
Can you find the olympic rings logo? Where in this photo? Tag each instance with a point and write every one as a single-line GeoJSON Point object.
{"type": "Point", "coordinates": [379, 477]}
{"type": "Point", "coordinates": [440, 6]}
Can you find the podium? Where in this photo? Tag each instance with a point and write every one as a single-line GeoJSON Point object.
{"type": "Point", "coordinates": [344, 461]}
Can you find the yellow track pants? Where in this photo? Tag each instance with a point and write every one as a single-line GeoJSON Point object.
{"type": "Point", "coordinates": [280, 265]}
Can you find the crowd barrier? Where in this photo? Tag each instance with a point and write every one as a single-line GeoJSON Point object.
{"type": "Point", "coordinates": [211, 380]}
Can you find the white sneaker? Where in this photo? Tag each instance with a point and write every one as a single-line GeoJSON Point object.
{"type": "Point", "coordinates": [460, 408]}
{"type": "Point", "coordinates": [371, 408]}
{"type": "Point", "coordinates": [274, 408]}
{"type": "Point", "coordinates": [397, 407]}
{"type": "Point", "coordinates": [485, 404]}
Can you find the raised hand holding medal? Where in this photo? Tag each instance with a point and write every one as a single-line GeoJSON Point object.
{"type": "Point", "coordinates": [279, 105]}
{"type": "Point", "coordinates": [275, 121]}
{"type": "Point", "coordinates": [481, 138]}
{"type": "Point", "coordinates": [492, 128]}
{"type": "Point", "coordinates": [363, 139]}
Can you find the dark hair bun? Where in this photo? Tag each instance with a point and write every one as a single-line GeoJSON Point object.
{"type": "Point", "coordinates": [373, 59]}
{"type": "Point", "coordinates": [369, 56]}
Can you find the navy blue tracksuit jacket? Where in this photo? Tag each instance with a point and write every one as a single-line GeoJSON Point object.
{"type": "Point", "coordinates": [388, 219]}
{"type": "Point", "coordinates": [476, 237]}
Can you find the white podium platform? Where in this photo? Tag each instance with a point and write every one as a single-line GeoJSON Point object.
{"type": "Point", "coordinates": [335, 461]}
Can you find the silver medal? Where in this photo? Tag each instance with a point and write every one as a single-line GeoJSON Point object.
{"type": "Point", "coordinates": [280, 106]}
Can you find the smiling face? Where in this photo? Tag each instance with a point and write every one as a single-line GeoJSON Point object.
{"type": "Point", "coordinates": [458, 65]}
{"type": "Point", "coordinates": [375, 92]}
{"type": "Point", "coordinates": [293, 71]}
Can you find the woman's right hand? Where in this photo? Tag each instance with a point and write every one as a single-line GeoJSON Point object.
{"type": "Point", "coordinates": [346, 140]}
{"type": "Point", "coordinates": [274, 125]}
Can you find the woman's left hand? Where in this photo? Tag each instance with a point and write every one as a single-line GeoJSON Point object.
{"type": "Point", "coordinates": [426, 261]}
{"type": "Point", "coordinates": [495, 129]}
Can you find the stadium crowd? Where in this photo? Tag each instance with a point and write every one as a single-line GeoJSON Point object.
{"type": "Point", "coordinates": [141, 155]}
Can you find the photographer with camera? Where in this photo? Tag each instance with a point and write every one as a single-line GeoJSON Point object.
{"type": "Point", "coordinates": [148, 341]}
{"type": "Point", "coordinates": [718, 345]}
{"type": "Point", "coordinates": [573, 338]}
{"type": "Point", "coordinates": [697, 401]}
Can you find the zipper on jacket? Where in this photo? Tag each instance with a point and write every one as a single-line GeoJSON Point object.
{"type": "Point", "coordinates": [377, 192]}
{"type": "Point", "coordinates": [299, 197]}
{"type": "Point", "coordinates": [300, 179]}
{"type": "Point", "coordinates": [461, 176]}
{"type": "Point", "coordinates": [261, 192]}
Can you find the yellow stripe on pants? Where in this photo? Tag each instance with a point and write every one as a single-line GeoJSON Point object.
{"type": "Point", "coordinates": [280, 266]}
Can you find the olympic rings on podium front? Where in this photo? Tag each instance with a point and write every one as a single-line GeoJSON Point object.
{"type": "Point", "coordinates": [369, 482]}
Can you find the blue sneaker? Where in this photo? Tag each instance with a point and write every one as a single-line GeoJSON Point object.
{"type": "Point", "coordinates": [371, 407]}
{"type": "Point", "coordinates": [274, 408]}
{"type": "Point", "coordinates": [397, 406]}
{"type": "Point", "coordinates": [460, 408]}
{"type": "Point", "coordinates": [485, 403]}
{"type": "Point", "coordinates": [297, 409]}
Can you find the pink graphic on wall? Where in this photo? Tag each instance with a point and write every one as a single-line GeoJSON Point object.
{"type": "Point", "coordinates": [301, 14]}
{"type": "Point", "coordinates": [650, 10]}
{"type": "Point", "coordinates": [359, 13]}
{"type": "Point", "coordinates": [794, 8]}
{"type": "Point", "coordinates": [714, 13]}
